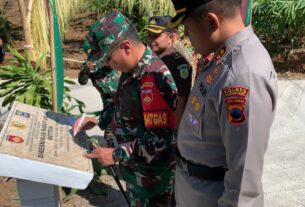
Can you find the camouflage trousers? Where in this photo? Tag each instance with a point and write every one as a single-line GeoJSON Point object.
{"type": "Point", "coordinates": [139, 197]}
{"type": "Point", "coordinates": [159, 195]}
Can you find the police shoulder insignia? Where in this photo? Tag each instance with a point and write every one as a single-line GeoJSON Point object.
{"type": "Point", "coordinates": [236, 111]}
{"type": "Point", "coordinates": [235, 99]}
{"type": "Point", "coordinates": [184, 71]}
{"type": "Point", "coordinates": [235, 91]}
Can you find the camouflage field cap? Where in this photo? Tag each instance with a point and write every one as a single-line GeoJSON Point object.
{"type": "Point", "coordinates": [183, 9]}
{"type": "Point", "coordinates": [86, 44]}
{"type": "Point", "coordinates": [106, 34]}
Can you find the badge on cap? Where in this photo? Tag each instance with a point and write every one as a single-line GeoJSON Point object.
{"type": "Point", "coordinates": [153, 21]}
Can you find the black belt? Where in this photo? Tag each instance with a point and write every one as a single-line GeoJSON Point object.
{"type": "Point", "coordinates": [200, 171]}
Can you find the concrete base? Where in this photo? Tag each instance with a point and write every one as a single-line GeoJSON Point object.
{"type": "Point", "coordinates": [33, 194]}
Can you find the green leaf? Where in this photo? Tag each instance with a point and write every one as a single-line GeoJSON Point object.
{"type": "Point", "coordinates": [6, 92]}
{"type": "Point", "coordinates": [40, 59]}
{"type": "Point", "coordinates": [16, 54]}
{"type": "Point", "coordinates": [69, 196]}
{"type": "Point", "coordinates": [8, 100]}
{"type": "Point", "coordinates": [68, 81]}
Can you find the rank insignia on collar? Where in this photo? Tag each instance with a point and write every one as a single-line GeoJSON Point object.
{"type": "Point", "coordinates": [197, 106]}
{"type": "Point", "coordinates": [216, 70]}
{"type": "Point", "coordinates": [209, 79]}
{"type": "Point", "coordinates": [194, 100]}
{"type": "Point", "coordinates": [220, 54]}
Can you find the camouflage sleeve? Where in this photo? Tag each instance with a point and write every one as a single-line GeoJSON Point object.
{"type": "Point", "coordinates": [167, 88]}
{"type": "Point", "coordinates": [156, 140]}
{"type": "Point", "coordinates": [105, 116]}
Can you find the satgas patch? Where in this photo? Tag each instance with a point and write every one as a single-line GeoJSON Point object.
{"type": "Point", "coordinates": [235, 91]}
{"type": "Point", "coordinates": [156, 111]}
{"type": "Point", "coordinates": [156, 119]}
{"type": "Point", "coordinates": [236, 111]}
{"type": "Point", "coordinates": [184, 71]}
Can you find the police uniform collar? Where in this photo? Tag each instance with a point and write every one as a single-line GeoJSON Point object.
{"type": "Point", "coordinates": [240, 36]}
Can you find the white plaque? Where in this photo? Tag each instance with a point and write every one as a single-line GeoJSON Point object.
{"type": "Point", "coordinates": [37, 145]}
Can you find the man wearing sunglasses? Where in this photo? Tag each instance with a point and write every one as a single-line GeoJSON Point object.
{"type": "Point", "coordinates": [161, 40]}
{"type": "Point", "coordinates": [142, 117]}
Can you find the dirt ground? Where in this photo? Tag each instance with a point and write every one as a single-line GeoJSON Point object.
{"type": "Point", "coordinates": [288, 67]}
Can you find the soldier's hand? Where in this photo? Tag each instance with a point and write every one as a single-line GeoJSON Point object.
{"type": "Point", "coordinates": [88, 123]}
{"type": "Point", "coordinates": [90, 65]}
{"type": "Point", "coordinates": [103, 154]}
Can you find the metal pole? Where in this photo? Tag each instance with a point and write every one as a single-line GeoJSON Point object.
{"type": "Point", "coordinates": [117, 180]}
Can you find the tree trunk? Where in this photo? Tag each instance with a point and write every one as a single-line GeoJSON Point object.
{"type": "Point", "coordinates": [26, 28]}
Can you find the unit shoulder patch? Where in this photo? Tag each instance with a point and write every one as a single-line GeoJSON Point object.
{"type": "Point", "coordinates": [184, 71]}
{"type": "Point", "coordinates": [235, 91]}
{"type": "Point", "coordinates": [236, 111]}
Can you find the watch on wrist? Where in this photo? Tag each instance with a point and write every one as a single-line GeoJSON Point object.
{"type": "Point", "coordinates": [117, 154]}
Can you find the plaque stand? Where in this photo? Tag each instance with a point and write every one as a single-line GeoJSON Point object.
{"type": "Point", "coordinates": [34, 194]}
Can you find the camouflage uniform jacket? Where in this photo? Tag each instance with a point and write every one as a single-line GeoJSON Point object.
{"type": "Point", "coordinates": [148, 159]}
{"type": "Point", "coordinates": [104, 79]}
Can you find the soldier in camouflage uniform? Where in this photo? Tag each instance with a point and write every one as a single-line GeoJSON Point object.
{"type": "Point", "coordinates": [142, 114]}
{"type": "Point", "coordinates": [103, 78]}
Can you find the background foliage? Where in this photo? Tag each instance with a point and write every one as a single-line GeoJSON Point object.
{"type": "Point", "coordinates": [280, 22]}
{"type": "Point", "coordinates": [24, 81]}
